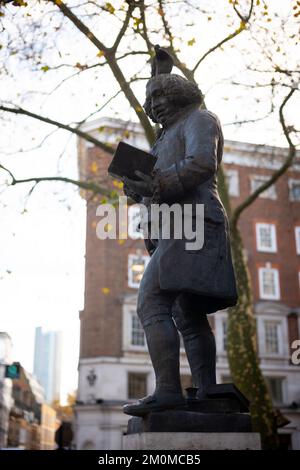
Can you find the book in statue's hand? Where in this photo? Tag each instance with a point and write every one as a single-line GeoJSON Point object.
{"type": "Point", "coordinates": [127, 159]}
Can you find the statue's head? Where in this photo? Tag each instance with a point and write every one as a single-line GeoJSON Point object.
{"type": "Point", "coordinates": [167, 93]}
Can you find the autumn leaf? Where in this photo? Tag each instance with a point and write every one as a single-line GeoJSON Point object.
{"type": "Point", "coordinates": [45, 68]}
{"type": "Point", "coordinates": [109, 7]}
{"type": "Point", "coordinates": [100, 54]}
{"type": "Point", "coordinates": [94, 167]}
{"type": "Point", "coordinates": [105, 290]}
{"type": "Point", "coordinates": [108, 228]}
{"type": "Point", "coordinates": [191, 42]}
{"type": "Point", "coordinates": [118, 184]}
{"type": "Point", "coordinates": [136, 21]}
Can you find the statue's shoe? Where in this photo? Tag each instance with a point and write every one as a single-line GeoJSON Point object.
{"type": "Point", "coordinates": [155, 403]}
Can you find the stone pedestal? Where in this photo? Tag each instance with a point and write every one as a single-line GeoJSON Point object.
{"type": "Point", "coordinates": [189, 421]}
{"type": "Point", "coordinates": [192, 441]}
{"type": "Point", "coordinates": [191, 430]}
{"type": "Point", "coordinates": [221, 421]}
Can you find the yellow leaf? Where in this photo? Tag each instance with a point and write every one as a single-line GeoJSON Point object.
{"type": "Point", "coordinates": [121, 242]}
{"type": "Point", "coordinates": [191, 42]}
{"type": "Point", "coordinates": [45, 68]}
{"type": "Point", "coordinates": [107, 227]}
{"type": "Point", "coordinates": [118, 184]}
{"type": "Point", "coordinates": [100, 54]}
{"type": "Point", "coordinates": [105, 290]}
{"type": "Point", "coordinates": [94, 167]}
{"type": "Point", "coordinates": [109, 8]}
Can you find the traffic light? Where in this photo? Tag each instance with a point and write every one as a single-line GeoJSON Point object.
{"type": "Point", "coordinates": [12, 371]}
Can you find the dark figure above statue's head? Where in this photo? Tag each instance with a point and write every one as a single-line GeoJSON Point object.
{"type": "Point", "coordinates": [167, 93]}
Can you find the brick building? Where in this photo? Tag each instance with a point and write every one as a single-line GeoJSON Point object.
{"type": "Point", "coordinates": [114, 365]}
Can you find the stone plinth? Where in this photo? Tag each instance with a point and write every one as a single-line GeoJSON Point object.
{"type": "Point", "coordinates": [192, 441]}
{"type": "Point", "coordinates": [190, 421]}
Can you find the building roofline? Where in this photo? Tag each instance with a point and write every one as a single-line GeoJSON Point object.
{"type": "Point", "coordinates": [236, 145]}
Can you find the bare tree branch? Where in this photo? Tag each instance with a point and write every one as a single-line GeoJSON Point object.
{"type": "Point", "coordinates": [87, 185]}
{"type": "Point", "coordinates": [124, 27]}
{"type": "Point", "coordinates": [244, 21]}
{"type": "Point", "coordinates": [113, 64]}
{"type": "Point", "coordinates": [276, 175]}
{"type": "Point", "coordinates": [83, 135]}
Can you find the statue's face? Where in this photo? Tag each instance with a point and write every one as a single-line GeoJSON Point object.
{"type": "Point", "coordinates": [161, 107]}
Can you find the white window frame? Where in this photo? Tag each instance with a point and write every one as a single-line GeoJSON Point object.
{"type": "Point", "coordinates": [279, 334]}
{"type": "Point", "coordinates": [128, 312]}
{"type": "Point", "coordinates": [133, 212]}
{"type": "Point", "coordinates": [134, 316]}
{"type": "Point", "coordinates": [259, 245]}
{"type": "Point", "coordinates": [233, 182]}
{"type": "Point", "coordinates": [297, 239]}
{"type": "Point", "coordinates": [262, 294]}
{"type": "Point", "coordinates": [269, 193]}
{"type": "Point", "coordinates": [220, 318]}
{"type": "Point", "coordinates": [283, 380]}
{"type": "Point", "coordinates": [290, 183]}
{"type": "Point", "coordinates": [131, 256]}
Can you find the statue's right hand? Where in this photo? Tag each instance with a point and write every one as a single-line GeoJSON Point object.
{"type": "Point", "coordinates": [129, 193]}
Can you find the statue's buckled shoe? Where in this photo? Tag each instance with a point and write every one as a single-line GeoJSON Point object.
{"type": "Point", "coordinates": [154, 403]}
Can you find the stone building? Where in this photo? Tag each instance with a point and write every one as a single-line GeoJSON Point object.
{"type": "Point", "coordinates": [114, 366]}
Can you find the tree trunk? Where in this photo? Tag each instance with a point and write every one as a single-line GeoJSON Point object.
{"type": "Point", "coordinates": [242, 350]}
{"type": "Point", "coordinates": [242, 341]}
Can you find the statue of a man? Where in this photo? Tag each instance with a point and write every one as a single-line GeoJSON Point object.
{"type": "Point", "coordinates": [180, 287]}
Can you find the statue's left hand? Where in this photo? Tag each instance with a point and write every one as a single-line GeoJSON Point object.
{"type": "Point", "coordinates": [145, 187]}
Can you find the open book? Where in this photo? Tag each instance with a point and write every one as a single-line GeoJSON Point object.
{"type": "Point", "coordinates": [127, 159]}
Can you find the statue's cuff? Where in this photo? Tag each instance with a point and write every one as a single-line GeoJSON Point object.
{"type": "Point", "coordinates": [167, 185]}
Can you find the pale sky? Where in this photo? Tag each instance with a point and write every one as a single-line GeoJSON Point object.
{"type": "Point", "coordinates": [42, 249]}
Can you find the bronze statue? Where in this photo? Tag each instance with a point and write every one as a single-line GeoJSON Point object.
{"type": "Point", "coordinates": [180, 287]}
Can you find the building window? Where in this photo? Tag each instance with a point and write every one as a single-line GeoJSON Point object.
{"type": "Point", "coordinates": [134, 218]}
{"type": "Point", "coordinates": [232, 179]}
{"type": "Point", "coordinates": [294, 190]}
{"type": "Point", "coordinates": [266, 237]}
{"type": "Point", "coordinates": [224, 334]}
{"type": "Point", "coordinates": [259, 180]}
{"type": "Point", "coordinates": [269, 283]}
{"type": "Point", "coordinates": [274, 385]}
{"type": "Point", "coordinates": [297, 237]}
{"type": "Point", "coordinates": [137, 385]}
{"type": "Point", "coordinates": [136, 267]}
{"type": "Point", "coordinates": [272, 337]}
{"type": "Point", "coordinates": [137, 332]}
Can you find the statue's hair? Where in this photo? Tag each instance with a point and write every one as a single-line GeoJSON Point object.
{"type": "Point", "coordinates": [177, 89]}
